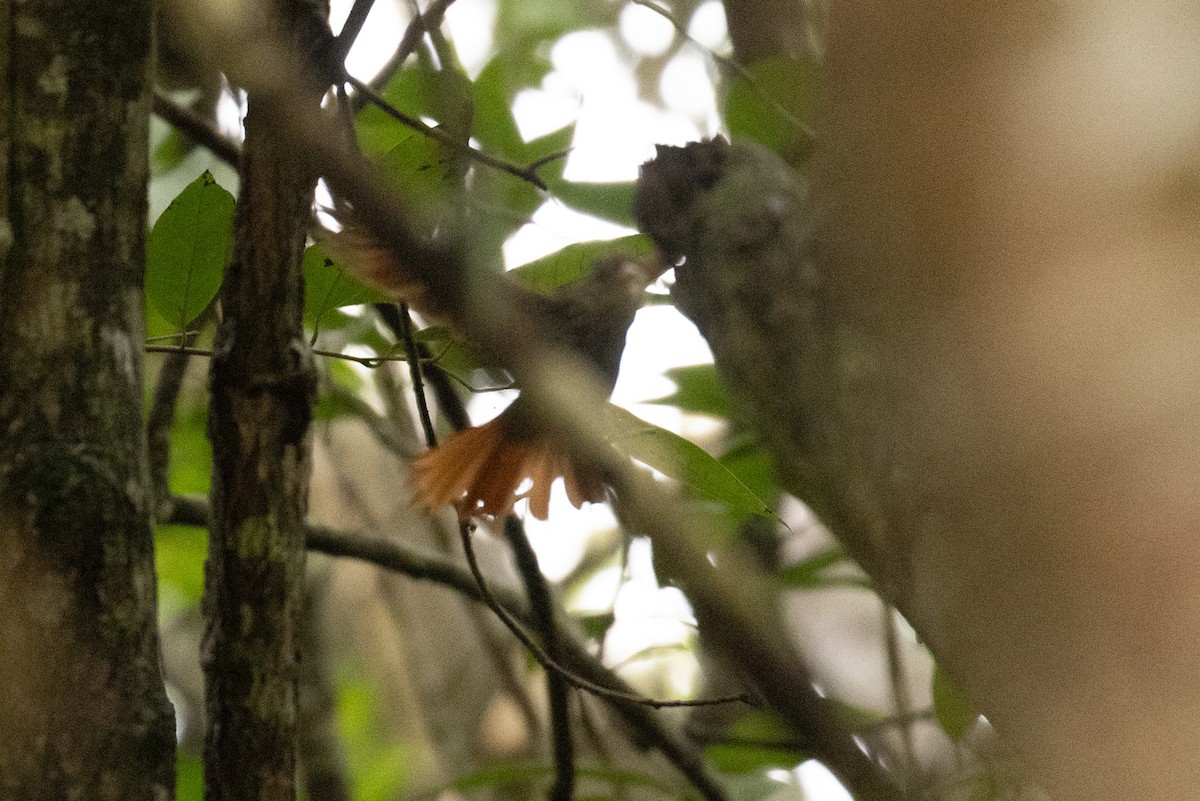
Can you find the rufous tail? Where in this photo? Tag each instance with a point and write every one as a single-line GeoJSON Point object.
{"type": "Point", "coordinates": [479, 471]}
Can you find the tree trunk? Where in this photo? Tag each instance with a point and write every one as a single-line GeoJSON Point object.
{"type": "Point", "coordinates": [983, 372]}
{"type": "Point", "coordinates": [263, 388]}
{"type": "Point", "coordinates": [83, 712]}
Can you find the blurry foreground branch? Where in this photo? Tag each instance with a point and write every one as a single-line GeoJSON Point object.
{"type": "Point", "coordinates": [567, 401]}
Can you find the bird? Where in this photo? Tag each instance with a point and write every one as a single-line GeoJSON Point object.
{"type": "Point", "coordinates": [481, 470]}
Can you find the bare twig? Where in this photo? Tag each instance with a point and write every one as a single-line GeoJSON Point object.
{"type": "Point", "coordinates": [350, 30]}
{"type": "Point", "coordinates": [414, 371]}
{"type": "Point", "coordinates": [430, 18]}
{"type": "Point", "coordinates": [448, 401]}
{"type": "Point", "coordinates": [193, 511]}
{"type": "Point", "coordinates": [643, 719]}
{"type": "Point", "coordinates": [539, 653]}
{"type": "Point", "coordinates": [557, 690]}
{"type": "Point", "coordinates": [198, 129]}
{"type": "Point", "coordinates": [528, 173]}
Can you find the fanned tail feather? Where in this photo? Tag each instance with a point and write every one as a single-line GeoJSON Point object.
{"type": "Point", "coordinates": [479, 470]}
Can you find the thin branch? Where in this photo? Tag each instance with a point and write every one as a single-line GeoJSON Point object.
{"type": "Point", "coordinates": [371, 362]}
{"type": "Point", "coordinates": [730, 65]}
{"type": "Point", "coordinates": [528, 173]}
{"type": "Point", "coordinates": [414, 371]}
{"type": "Point", "coordinates": [431, 18]}
{"type": "Point", "coordinates": [689, 761]}
{"type": "Point", "coordinates": [437, 40]}
{"type": "Point", "coordinates": [159, 421]}
{"type": "Point", "coordinates": [448, 401]}
{"type": "Point", "coordinates": [194, 511]}
{"type": "Point", "coordinates": [738, 601]}
{"type": "Point", "coordinates": [366, 361]}
{"type": "Point", "coordinates": [557, 689]}
{"type": "Point", "coordinates": [538, 653]}
{"type": "Point", "coordinates": [198, 129]}
{"type": "Point", "coordinates": [350, 30]}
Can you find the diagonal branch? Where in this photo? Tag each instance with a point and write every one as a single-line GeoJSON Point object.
{"type": "Point", "coordinates": [737, 601]}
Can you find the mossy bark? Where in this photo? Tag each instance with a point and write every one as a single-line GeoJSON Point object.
{"type": "Point", "coordinates": [83, 712]}
{"type": "Point", "coordinates": [263, 388]}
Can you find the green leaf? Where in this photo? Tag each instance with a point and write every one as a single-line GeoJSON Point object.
{"type": "Point", "coordinates": [774, 103]}
{"type": "Point", "coordinates": [443, 95]}
{"type": "Point", "coordinates": [170, 152]}
{"type": "Point", "coordinates": [747, 459]}
{"type": "Point", "coordinates": [157, 327]}
{"type": "Point", "coordinates": [682, 460]}
{"type": "Point", "coordinates": [698, 389]}
{"type": "Point", "coordinates": [757, 741]}
{"type": "Point", "coordinates": [493, 93]}
{"type": "Point", "coordinates": [427, 172]}
{"type": "Point", "coordinates": [461, 361]}
{"type": "Point", "coordinates": [179, 553]}
{"type": "Point", "coordinates": [327, 286]}
{"type": "Point", "coordinates": [612, 202]}
{"type": "Point", "coordinates": [811, 573]}
{"type": "Point", "coordinates": [575, 261]}
{"type": "Point", "coordinates": [955, 712]}
{"type": "Point", "coordinates": [189, 777]}
{"type": "Point", "coordinates": [187, 251]}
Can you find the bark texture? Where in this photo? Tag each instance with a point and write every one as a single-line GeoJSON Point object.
{"type": "Point", "coordinates": [981, 366]}
{"type": "Point", "coordinates": [263, 388]}
{"type": "Point", "coordinates": [83, 712]}
{"type": "Point", "coordinates": [741, 218]}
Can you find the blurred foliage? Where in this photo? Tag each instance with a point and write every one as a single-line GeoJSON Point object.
{"type": "Point", "coordinates": [772, 102]}
{"type": "Point", "coordinates": [189, 778]}
{"type": "Point", "coordinates": [379, 768]}
{"type": "Point", "coordinates": [575, 261]}
{"type": "Point", "coordinates": [955, 712]}
{"type": "Point", "coordinates": [756, 741]}
{"type": "Point", "coordinates": [328, 287]}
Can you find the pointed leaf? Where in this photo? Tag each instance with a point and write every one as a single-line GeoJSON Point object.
{"type": "Point", "coordinates": [187, 250]}
{"type": "Point", "coordinates": [757, 741]}
{"type": "Point", "coordinates": [575, 261]}
{"type": "Point", "coordinates": [682, 460]}
{"type": "Point", "coordinates": [494, 89]}
{"type": "Point", "coordinates": [698, 389]}
{"type": "Point", "coordinates": [955, 712]}
{"type": "Point", "coordinates": [612, 202]}
{"type": "Point", "coordinates": [419, 91]}
{"type": "Point", "coordinates": [328, 286]}
{"type": "Point", "coordinates": [774, 103]}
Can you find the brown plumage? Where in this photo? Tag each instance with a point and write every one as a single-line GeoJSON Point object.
{"type": "Point", "coordinates": [481, 469]}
